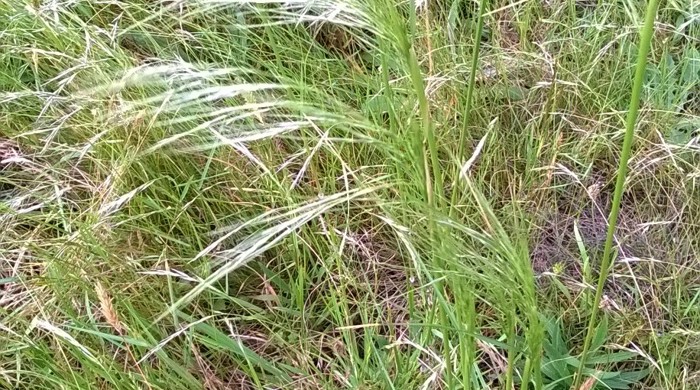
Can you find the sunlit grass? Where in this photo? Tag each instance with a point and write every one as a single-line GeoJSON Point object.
{"type": "Point", "coordinates": [333, 194]}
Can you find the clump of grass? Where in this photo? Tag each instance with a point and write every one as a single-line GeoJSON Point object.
{"type": "Point", "coordinates": [212, 195]}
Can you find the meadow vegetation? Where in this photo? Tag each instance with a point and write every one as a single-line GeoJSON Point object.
{"type": "Point", "coordinates": [363, 194]}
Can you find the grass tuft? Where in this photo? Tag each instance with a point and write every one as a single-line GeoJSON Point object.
{"type": "Point", "coordinates": [348, 194]}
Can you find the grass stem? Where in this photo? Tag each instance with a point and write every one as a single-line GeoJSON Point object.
{"type": "Point", "coordinates": [644, 45]}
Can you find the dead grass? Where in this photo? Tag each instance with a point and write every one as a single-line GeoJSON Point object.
{"type": "Point", "coordinates": [314, 301]}
{"type": "Point", "coordinates": [383, 270]}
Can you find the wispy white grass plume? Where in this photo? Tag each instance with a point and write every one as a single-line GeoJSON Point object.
{"type": "Point", "coordinates": [62, 334]}
{"type": "Point", "coordinates": [280, 227]}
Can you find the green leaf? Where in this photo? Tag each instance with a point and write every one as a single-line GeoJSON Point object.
{"type": "Point", "coordinates": [691, 70]}
{"type": "Point", "coordinates": [213, 337]}
{"type": "Point", "coordinates": [11, 279]}
{"type": "Point", "coordinates": [560, 383]}
{"type": "Point", "coordinates": [116, 340]}
{"type": "Point", "coordinates": [624, 382]}
{"type": "Point", "coordinates": [634, 376]}
{"type": "Point", "coordinates": [585, 259]}
{"type": "Point", "coordinates": [380, 342]}
{"type": "Point", "coordinates": [555, 347]}
{"type": "Point", "coordinates": [453, 18]}
{"type": "Point", "coordinates": [516, 93]}
{"type": "Point", "coordinates": [617, 380]}
{"type": "Point", "coordinates": [601, 334]}
{"type": "Point", "coordinates": [682, 132]}
{"type": "Point", "coordinates": [615, 357]}
{"type": "Point", "coordinates": [601, 375]}
{"type": "Point", "coordinates": [616, 384]}
{"type": "Point", "coordinates": [555, 369]}
{"type": "Point", "coordinates": [377, 105]}
{"type": "Point", "coordinates": [495, 343]}
{"type": "Point", "coordinates": [572, 361]}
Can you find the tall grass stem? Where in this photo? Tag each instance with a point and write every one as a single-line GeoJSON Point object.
{"type": "Point", "coordinates": [644, 45]}
{"type": "Point", "coordinates": [470, 91]}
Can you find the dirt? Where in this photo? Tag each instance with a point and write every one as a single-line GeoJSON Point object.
{"type": "Point", "coordinates": [554, 243]}
{"type": "Point", "coordinates": [383, 272]}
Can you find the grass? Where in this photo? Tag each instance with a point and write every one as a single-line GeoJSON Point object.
{"type": "Point", "coordinates": [630, 123]}
{"type": "Point", "coordinates": [341, 194]}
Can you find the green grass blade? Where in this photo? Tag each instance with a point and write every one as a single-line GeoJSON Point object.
{"type": "Point", "coordinates": [630, 123]}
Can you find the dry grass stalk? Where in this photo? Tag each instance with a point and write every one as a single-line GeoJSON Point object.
{"type": "Point", "coordinates": [107, 309]}
{"type": "Point", "coordinates": [589, 384]}
{"type": "Point", "coordinates": [211, 381]}
{"type": "Point", "coordinates": [110, 315]}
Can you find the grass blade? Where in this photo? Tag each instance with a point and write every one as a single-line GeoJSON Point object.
{"type": "Point", "coordinates": [630, 123]}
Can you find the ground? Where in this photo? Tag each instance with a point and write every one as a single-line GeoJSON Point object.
{"type": "Point", "coordinates": [339, 194]}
